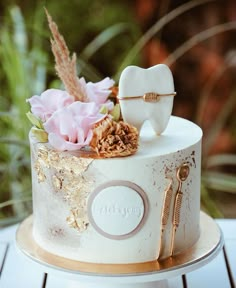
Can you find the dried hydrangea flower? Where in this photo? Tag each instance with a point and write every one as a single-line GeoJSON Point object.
{"type": "Point", "coordinates": [114, 139]}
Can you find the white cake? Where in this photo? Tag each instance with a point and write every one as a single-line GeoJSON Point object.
{"type": "Point", "coordinates": [107, 190]}
{"type": "Point", "coordinates": [114, 210]}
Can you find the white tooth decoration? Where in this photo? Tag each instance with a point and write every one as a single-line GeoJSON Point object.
{"type": "Point", "coordinates": [138, 89]}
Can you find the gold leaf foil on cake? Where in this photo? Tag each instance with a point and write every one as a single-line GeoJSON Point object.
{"type": "Point", "coordinates": [54, 157]}
{"type": "Point", "coordinates": [78, 219]}
{"type": "Point", "coordinates": [43, 156]}
{"type": "Point", "coordinates": [67, 174]}
{"type": "Point", "coordinates": [57, 182]}
{"type": "Point", "coordinates": [39, 171]}
{"type": "Point", "coordinates": [41, 163]}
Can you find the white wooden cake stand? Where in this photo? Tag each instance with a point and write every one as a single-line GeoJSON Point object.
{"type": "Point", "coordinates": [143, 275]}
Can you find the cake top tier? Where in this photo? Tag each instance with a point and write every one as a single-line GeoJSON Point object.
{"type": "Point", "coordinates": [179, 134]}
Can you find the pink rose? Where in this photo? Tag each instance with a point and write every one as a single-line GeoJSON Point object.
{"type": "Point", "coordinates": [70, 128]}
{"type": "Point", "coordinates": [48, 102]}
{"type": "Point", "coordinates": [99, 92]}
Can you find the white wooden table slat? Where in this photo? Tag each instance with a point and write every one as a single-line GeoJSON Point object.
{"type": "Point", "coordinates": [58, 282]}
{"type": "Point", "coordinates": [55, 281]}
{"type": "Point", "coordinates": [176, 282]}
{"type": "Point", "coordinates": [7, 234]}
{"type": "Point", "coordinates": [3, 251]}
{"type": "Point", "coordinates": [228, 227]}
{"type": "Point", "coordinates": [215, 272]}
{"type": "Point", "coordinates": [230, 249]}
{"type": "Point", "coordinates": [20, 272]}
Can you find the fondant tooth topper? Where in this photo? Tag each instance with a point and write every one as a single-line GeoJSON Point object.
{"type": "Point", "coordinates": [147, 94]}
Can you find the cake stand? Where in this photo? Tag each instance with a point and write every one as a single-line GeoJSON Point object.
{"type": "Point", "coordinates": [142, 275]}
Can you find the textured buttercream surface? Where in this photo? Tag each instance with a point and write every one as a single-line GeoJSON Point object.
{"type": "Point", "coordinates": [179, 134]}
{"type": "Point", "coordinates": [64, 183]}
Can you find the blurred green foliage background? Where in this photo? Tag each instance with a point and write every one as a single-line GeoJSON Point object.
{"type": "Point", "coordinates": [195, 38]}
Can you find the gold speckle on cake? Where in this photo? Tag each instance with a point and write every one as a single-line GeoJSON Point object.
{"type": "Point", "coordinates": [39, 171]}
{"type": "Point", "coordinates": [56, 232]}
{"type": "Point", "coordinates": [41, 163]}
{"type": "Point", "coordinates": [69, 178]}
{"type": "Point", "coordinates": [43, 156]}
{"type": "Point", "coordinates": [57, 182]}
{"type": "Point", "coordinates": [53, 156]}
{"type": "Point", "coordinates": [78, 219]}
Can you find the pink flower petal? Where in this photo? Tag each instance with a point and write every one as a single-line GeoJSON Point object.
{"type": "Point", "coordinates": [50, 101]}
{"type": "Point", "coordinates": [98, 92]}
{"type": "Point", "coordinates": [70, 128]}
{"type": "Point", "coordinates": [68, 122]}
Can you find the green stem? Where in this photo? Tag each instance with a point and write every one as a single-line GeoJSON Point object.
{"type": "Point", "coordinates": [156, 28]}
{"type": "Point", "coordinates": [12, 202]}
{"type": "Point", "coordinates": [196, 39]}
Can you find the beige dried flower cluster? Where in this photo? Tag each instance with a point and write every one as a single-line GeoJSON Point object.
{"type": "Point", "coordinates": [65, 66]}
{"type": "Point", "coordinates": [114, 139]}
{"type": "Point", "coordinates": [110, 138]}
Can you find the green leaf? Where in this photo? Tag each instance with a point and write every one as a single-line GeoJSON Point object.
{"type": "Point", "coordinates": [13, 141]}
{"type": "Point", "coordinates": [155, 29]}
{"type": "Point", "coordinates": [12, 220]}
{"type": "Point", "coordinates": [221, 160]}
{"type": "Point", "coordinates": [19, 35]}
{"type": "Point", "coordinates": [88, 70]}
{"type": "Point", "coordinates": [103, 38]}
{"type": "Point", "coordinates": [24, 66]}
{"type": "Point", "coordinates": [209, 204]}
{"type": "Point", "coordinates": [6, 114]}
{"type": "Point", "coordinates": [220, 181]}
{"type": "Point", "coordinates": [40, 134]}
{"type": "Point", "coordinates": [219, 122]}
{"type": "Point", "coordinates": [198, 38]}
{"type": "Point", "coordinates": [34, 120]}
{"type": "Point", "coordinates": [103, 109]}
{"type": "Point", "coordinates": [116, 112]}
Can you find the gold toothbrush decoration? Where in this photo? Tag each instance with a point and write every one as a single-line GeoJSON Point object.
{"type": "Point", "coordinates": [165, 212]}
{"type": "Point", "coordinates": [181, 174]}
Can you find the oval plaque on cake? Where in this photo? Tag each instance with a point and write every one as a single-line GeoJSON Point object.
{"type": "Point", "coordinates": [117, 209]}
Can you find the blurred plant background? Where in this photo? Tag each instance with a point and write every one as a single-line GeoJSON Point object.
{"type": "Point", "coordinates": [197, 39]}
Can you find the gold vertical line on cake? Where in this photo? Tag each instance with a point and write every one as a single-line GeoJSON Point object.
{"type": "Point", "coordinates": [165, 213]}
{"type": "Point", "coordinates": [181, 175]}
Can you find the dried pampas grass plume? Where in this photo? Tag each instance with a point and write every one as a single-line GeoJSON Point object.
{"type": "Point", "coordinates": [65, 65]}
